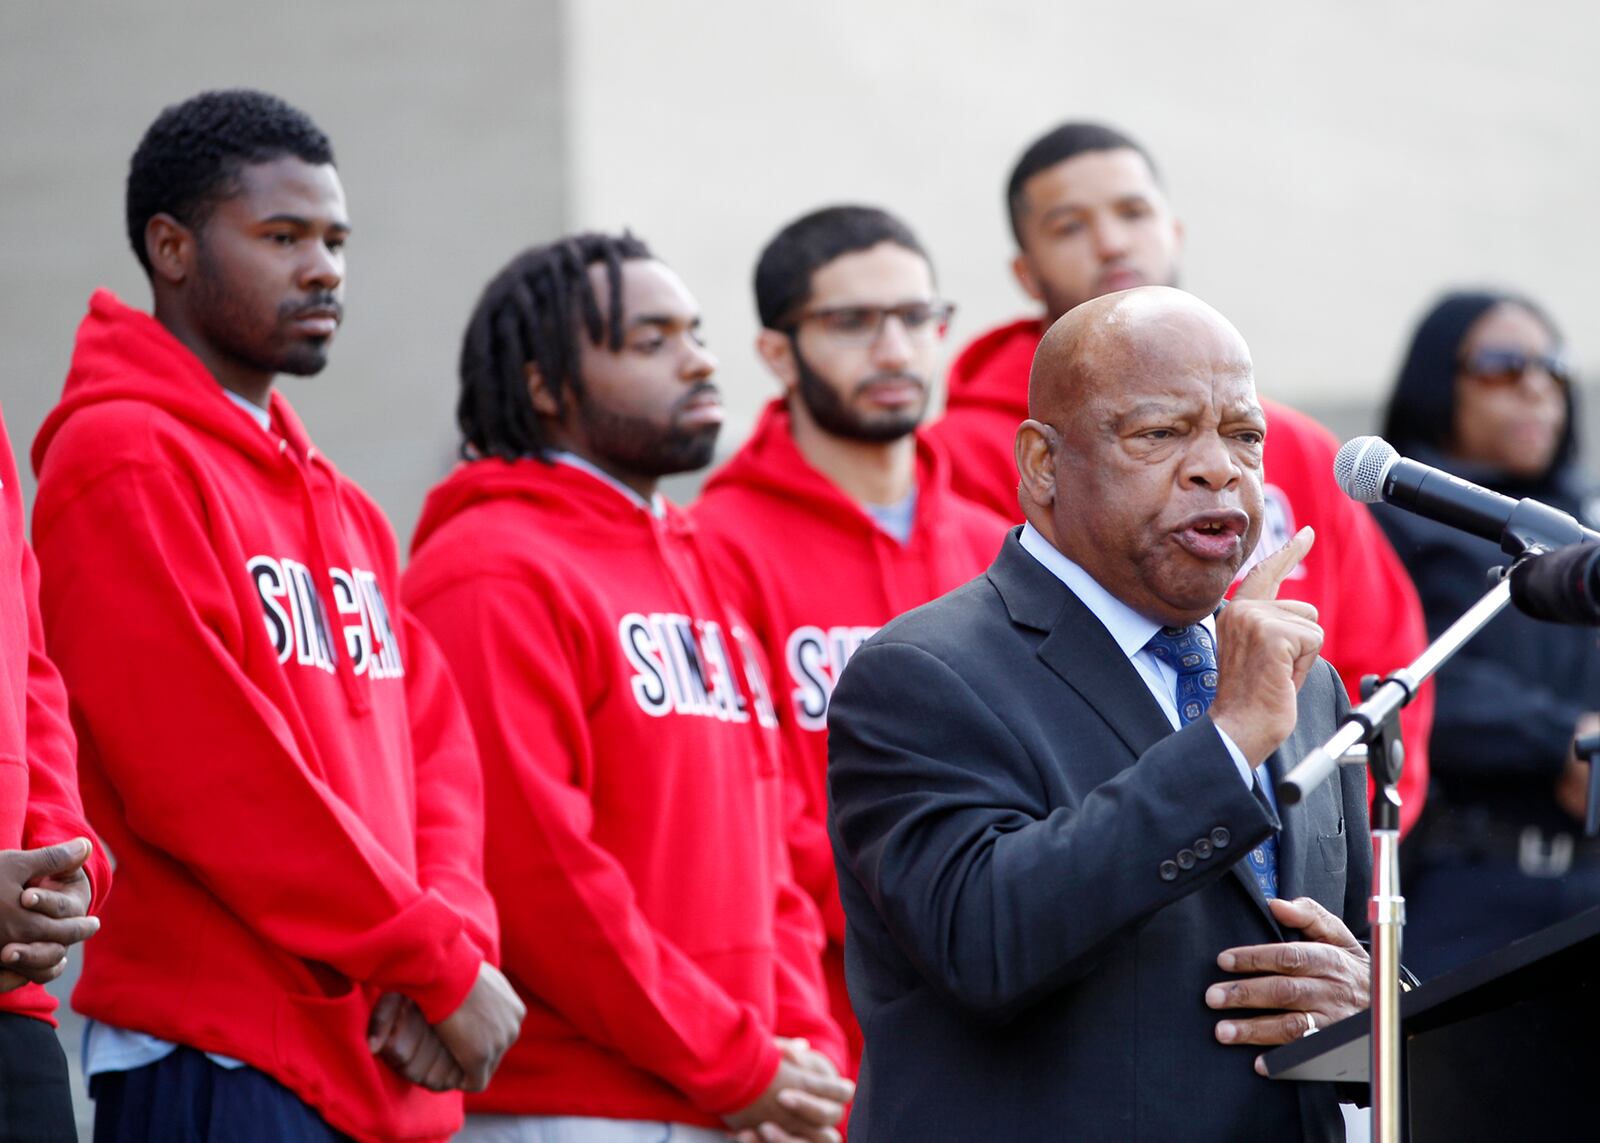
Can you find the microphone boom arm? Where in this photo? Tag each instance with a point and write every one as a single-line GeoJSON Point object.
{"type": "Point", "coordinates": [1375, 725]}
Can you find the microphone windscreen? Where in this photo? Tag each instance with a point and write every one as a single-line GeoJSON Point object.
{"type": "Point", "coordinates": [1361, 466]}
{"type": "Point", "coordinates": [1559, 586]}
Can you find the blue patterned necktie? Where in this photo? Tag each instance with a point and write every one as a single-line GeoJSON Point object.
{"type": "Point", "coordinates": [1190, 652]}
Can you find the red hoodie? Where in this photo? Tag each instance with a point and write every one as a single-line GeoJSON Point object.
{"type": "Point", "coordinates": [275, 755]}
{"type": "Point", "coordinates": [816, 576]}
{"type": "Point", "coordinates": [634, 799]}
{"type": "Point", "coordinates": [38, 756]}
{"type": "Point", "coordinates": [1369, 610]}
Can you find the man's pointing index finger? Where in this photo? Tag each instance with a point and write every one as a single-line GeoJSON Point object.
{"type": "Point", "coordinates": [1265, 578]}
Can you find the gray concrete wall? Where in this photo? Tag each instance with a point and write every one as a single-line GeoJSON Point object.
{"type": "Point", "coordinates": [448, 124]}
{"type": "Point", "coordinates": [1336, 164]}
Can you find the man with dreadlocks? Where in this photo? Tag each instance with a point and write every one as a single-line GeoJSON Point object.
{"type": "Point", "coordinates": [632, 774]}
{"type": "Point", "coordinates": [299, 946]}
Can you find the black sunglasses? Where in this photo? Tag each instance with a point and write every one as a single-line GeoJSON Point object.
{"type": "Point", "coordinates": [1506, 367]}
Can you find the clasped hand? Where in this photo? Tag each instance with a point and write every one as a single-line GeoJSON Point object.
{"type": "Point", "coordinates": [803, 1104]}
{"type": "Point", "coordinates": [44, 902]}
{"type": "Point", "coordinates": [1306, 985]}
{"type": "Point", "coordinates": [462, 1051]}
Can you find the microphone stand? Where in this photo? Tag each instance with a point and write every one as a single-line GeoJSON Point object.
{"type": "Point", "coordinates": [1371, 734]}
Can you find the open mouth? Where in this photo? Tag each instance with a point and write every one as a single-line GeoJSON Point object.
{"type": "Point", "coordinates": [1213, 535]}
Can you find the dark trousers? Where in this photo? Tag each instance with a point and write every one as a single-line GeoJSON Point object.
{"type": "Point", "coordinates": [185, 1098]}
{"type": "Point", "coordinates": [35, 1093]}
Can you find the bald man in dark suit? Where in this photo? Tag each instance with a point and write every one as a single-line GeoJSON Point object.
{"type": "Point", "coordinates": [1075, 910]}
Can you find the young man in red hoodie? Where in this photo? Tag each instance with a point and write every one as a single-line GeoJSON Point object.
{"type": "Point", "coordinates": [837, 515]}
{"type": "Point", "coordinates": [631, 761]}
{"type": "Point", "coordinates": [51, 875]}
{"type": "Point", "coordinates": [300, 944]}
{"type": "Point", "coordinates": [1090, 218]}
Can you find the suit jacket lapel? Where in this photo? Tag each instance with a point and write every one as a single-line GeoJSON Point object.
{"type": "Point", "coordinates": [1293, 838]}
{"type": "Point", "coordinates": [1079, 649]}
{"type": "Point", "coordinates": [1301, 862]}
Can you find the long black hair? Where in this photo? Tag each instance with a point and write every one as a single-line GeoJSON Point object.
{"type": "Point", "coordinates": [532, 312]}
{"type": "Point", "coordinates": [1422, 406]}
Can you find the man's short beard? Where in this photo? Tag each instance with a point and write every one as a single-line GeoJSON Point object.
{"type": "Point", "coordinates": [837, 419]}
{"type": "Point", "coordinates": [228, 326]}
{"type": "Point", "coordinates": [640, 446]}
{"type": "Point", "coordinates": [303, 358]}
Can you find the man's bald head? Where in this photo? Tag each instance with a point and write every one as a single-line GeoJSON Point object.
{"type": "Point", "coordinates": [1141, 457]}
{"type": "Point", "coordinates": [1114, 335]}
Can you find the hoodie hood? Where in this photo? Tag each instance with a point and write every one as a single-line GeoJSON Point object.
{"type": "Point", "coordinates": [552, 485]}
{"type": "Point", "coordinates": [771, 463]}
{"type": "Point", "coordinates": [124, 354]}
{"type": "Point", "coordinates": [946, 530]}
{"type": "Point", "coordinates": [987, 371]}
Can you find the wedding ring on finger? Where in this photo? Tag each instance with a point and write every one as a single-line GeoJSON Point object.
{"type": "Point", "coordinates": [1311, 1026]}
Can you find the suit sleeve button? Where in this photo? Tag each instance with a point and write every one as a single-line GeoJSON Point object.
{"type": "Point", "coordinates": [1202, 847]}
{"type": "Point", "coordinates": [1185, 859]}
{"type": "Point", "coordinates": [1169, 871]}
{"type": "Point", "coordinates": [1220, 837]}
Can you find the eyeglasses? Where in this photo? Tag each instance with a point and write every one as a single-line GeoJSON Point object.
{"type": "Point", "coordinates": [863, 325]}
{"type": "Point", "coordinates": [1504, 368]}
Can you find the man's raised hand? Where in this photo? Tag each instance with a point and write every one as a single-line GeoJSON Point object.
{"type": "Point", "coordinates": [1266, 646]}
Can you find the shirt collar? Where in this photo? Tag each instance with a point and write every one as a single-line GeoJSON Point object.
{"type": "Point", "coordinates": [656, 505]}
{"type": "Point", "coordinates": [260, 416]}
{"type": "Point", "coordinates": [1128, 628]}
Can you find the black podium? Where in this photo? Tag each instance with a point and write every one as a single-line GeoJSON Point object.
{"type": "Point", "coordinates": [1504, 1048]}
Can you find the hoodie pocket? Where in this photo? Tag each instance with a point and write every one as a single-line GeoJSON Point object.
{"type": "Point", "coordinates": [322, 1049]}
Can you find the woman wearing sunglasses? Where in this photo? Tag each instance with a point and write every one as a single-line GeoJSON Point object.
{"type": "Point", "coordinates": [1485, 393]}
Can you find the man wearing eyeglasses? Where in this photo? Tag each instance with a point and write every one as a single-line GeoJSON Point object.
{"type": "Point", "coordinates": [837, 515]}
{"type": "Point", "coordinates": [1090, 217]}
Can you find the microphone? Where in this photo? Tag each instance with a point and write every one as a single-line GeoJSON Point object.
{"type": "Point", "coordinates": [1562, 586]}
{"type": "Point", "coordinates": [1370, 470]}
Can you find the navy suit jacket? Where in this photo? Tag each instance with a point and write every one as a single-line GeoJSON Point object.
{"type": "Point", "coordinates": [1038, 873]}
